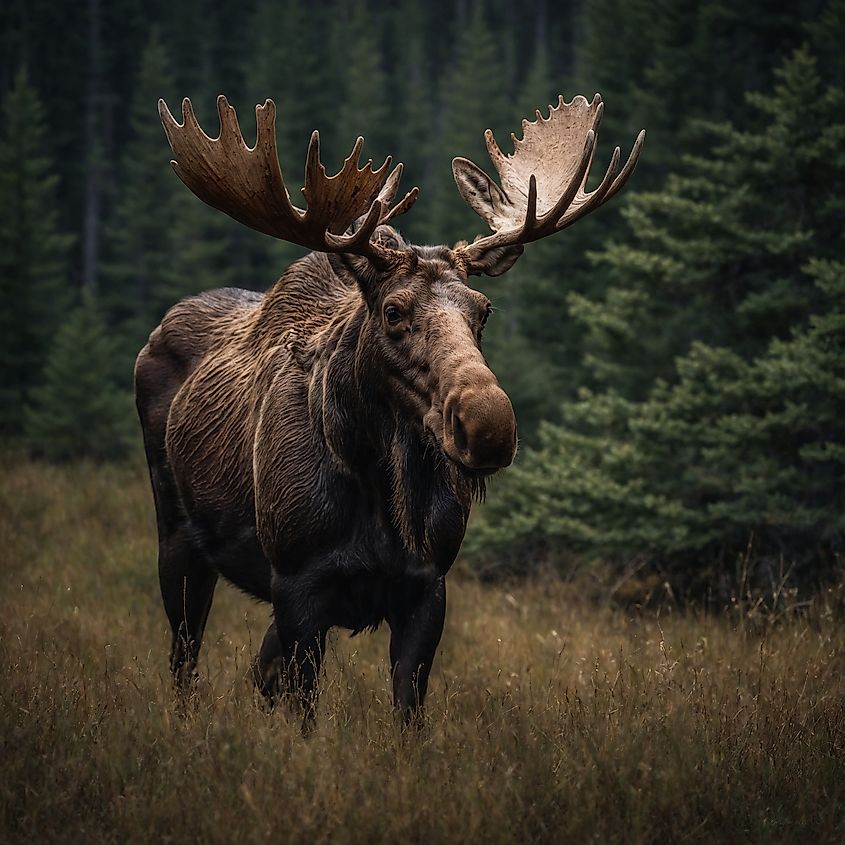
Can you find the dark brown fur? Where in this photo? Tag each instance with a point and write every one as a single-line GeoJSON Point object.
{"type": "Point", "coordinates": [322, 454]}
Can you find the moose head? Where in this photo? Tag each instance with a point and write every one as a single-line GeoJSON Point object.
{"type": "Point", "coordinates": [422, 332]}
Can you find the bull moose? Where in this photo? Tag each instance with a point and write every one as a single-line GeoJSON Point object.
{"type": "Point", "coordinates": [320, 445]}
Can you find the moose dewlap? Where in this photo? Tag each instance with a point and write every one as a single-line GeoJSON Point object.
{"type": "Point", "coordinates": [320, 445]}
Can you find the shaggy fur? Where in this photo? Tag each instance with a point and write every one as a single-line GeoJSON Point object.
{"type": "Point", "coordinates": [319, 446]}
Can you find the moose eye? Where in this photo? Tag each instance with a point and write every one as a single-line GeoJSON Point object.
{"type": "Point", "coordinates": [486, 315]}
{"type": "Point", "coordinates": [393, 315]}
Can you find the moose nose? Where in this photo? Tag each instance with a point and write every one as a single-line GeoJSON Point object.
{"type": "Point", "coordinates": [480, 428]}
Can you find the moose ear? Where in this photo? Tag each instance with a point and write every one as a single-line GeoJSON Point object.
{"type": "Point", "coordinates": [495, 261]}
{"type": "Point", "coordinates": [487, 200]}
{"type": "Point", "coordinates": [482, 194]}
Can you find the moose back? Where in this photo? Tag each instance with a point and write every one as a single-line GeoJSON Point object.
{"type": "Point", "coordinates": [320, 445]}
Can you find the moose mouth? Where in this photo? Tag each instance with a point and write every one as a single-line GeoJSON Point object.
{"type": "Point", "coordinates": [473, 450]}
{"type": "Point", "coordinates": [461, 442]}
{"type": "Point", "coordinates": [475, 473]}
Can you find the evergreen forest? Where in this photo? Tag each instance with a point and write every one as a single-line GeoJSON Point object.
{"type": "Point", "coordinates": [676, 360]}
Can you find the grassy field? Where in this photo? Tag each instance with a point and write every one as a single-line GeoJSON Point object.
{"type": "Point", "coordinates": [550, 718]}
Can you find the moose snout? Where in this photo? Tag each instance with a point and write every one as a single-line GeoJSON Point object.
{"type": "Point", "coordinates": [479, 428]}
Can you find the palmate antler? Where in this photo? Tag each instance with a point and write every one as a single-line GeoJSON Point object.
{"type": "Point", "coordinates": [247, 183]}
{"type": "Point", "coordinates": [543, 186]}
{"type": "Point", "coordinates": [543, 181]}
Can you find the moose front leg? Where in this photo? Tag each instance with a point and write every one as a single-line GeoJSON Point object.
{"type": "Point", "coordinates": [288, 663]}
{"type": "Point", "coordinates": [416, 625]}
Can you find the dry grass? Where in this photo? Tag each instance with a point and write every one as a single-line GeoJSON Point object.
{"type": "Point", "coordinates": [549, 719]}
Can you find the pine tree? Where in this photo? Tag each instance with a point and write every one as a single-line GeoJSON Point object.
{"type": "Point", "coordinates": [722, 344]}
{"type": "Point", "coordinates": [163, 243]}
{"type": "Point", "coordinates": [33, 251]}
{"type": "Point", "coordinates": [362, 109]}
{"type": "Point", "coordinates": [285, 65]}
{"type": "Point", "coordinates": [611, 58]}
{"type": "Point", "coordinates": [826, 33]}
{"type": "Point", "coordinates": [664, 63]}
{"type": "Point", "coordinates": [77, 411]}
{"type": "Point", "coordinates": [140, 229]}
{"type": "Point", "coordinates": [526, 343]}
{"type": "Point", "coordinates": [413, 140]}
{"type": "Point", "coordinates": [188, 30]}
{"type": "Point", "coordinates": [472, 99]}
{"type": "Point", "coordinates": [537, 90]}
{"type": "Point", "coordinates": [716, 255]}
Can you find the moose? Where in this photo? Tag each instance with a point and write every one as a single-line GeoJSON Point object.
{"type": "Point", "coordinates": [320, 445]}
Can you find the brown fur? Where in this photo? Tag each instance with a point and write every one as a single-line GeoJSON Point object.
{"type": "Point", "coordinates": [319, 446]}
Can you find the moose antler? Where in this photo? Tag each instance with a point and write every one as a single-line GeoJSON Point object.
{"type": "Point", "coordinates": [247, 183]}
{"type": "Point", "coordinates": [544, 180]}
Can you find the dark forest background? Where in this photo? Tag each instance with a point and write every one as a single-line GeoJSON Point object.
{"type": "Point", "coordinates": [677, 360]}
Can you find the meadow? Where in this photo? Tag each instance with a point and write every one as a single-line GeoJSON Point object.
{"type": "Point", "coordinates": [553, 715]}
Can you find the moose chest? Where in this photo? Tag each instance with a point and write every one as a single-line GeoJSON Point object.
{"type": "Point", "coordinates": [358, 540]}
{"type": "Point", "coordinates": [362, 524]}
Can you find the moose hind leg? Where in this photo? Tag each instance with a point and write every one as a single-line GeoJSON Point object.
{"type": "Point", "coordinates": [187, 588]}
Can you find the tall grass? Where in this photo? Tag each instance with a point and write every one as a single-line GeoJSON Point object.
{"type": "Point", "coordinates": [550, 719]}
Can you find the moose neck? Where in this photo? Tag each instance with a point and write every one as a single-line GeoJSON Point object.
{"type": "Point", "coordinates": [426, 498]}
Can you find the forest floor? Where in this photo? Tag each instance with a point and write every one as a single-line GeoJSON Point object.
{"type": "Point", "coordinates": [550, 718]}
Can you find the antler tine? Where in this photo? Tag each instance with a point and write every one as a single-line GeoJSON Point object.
{"type": "Point", "coordinates": [314, 169]}
{"type": "Point", "coordinates": [188, 116]}
{"type": "Point", "coordinates": [628, 169]}
{"type": "Point", "coordinates": [357, 241]}
{"type": "Point", "coordinates": [543, 182]}
{"type": "Point", "coordinates": [391, 185]}
{"type": "Point", "coordinates": [531, 207]}
{"type": "Point", "coordinates": [591, 201]}
{"type": "Point", "coordinates": [403, 205]}
{"type": "Point", "coordinates": [228, 122]}
{"type": "Point", "coordinates": [247, 183]}
{"type": "Point", "coordinates": [388, 193]}
{"type": "Point", "coordinates": [556, 212]}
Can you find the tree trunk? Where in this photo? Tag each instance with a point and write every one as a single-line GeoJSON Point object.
{"type": "Point", "coordinates": [93, 150]}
